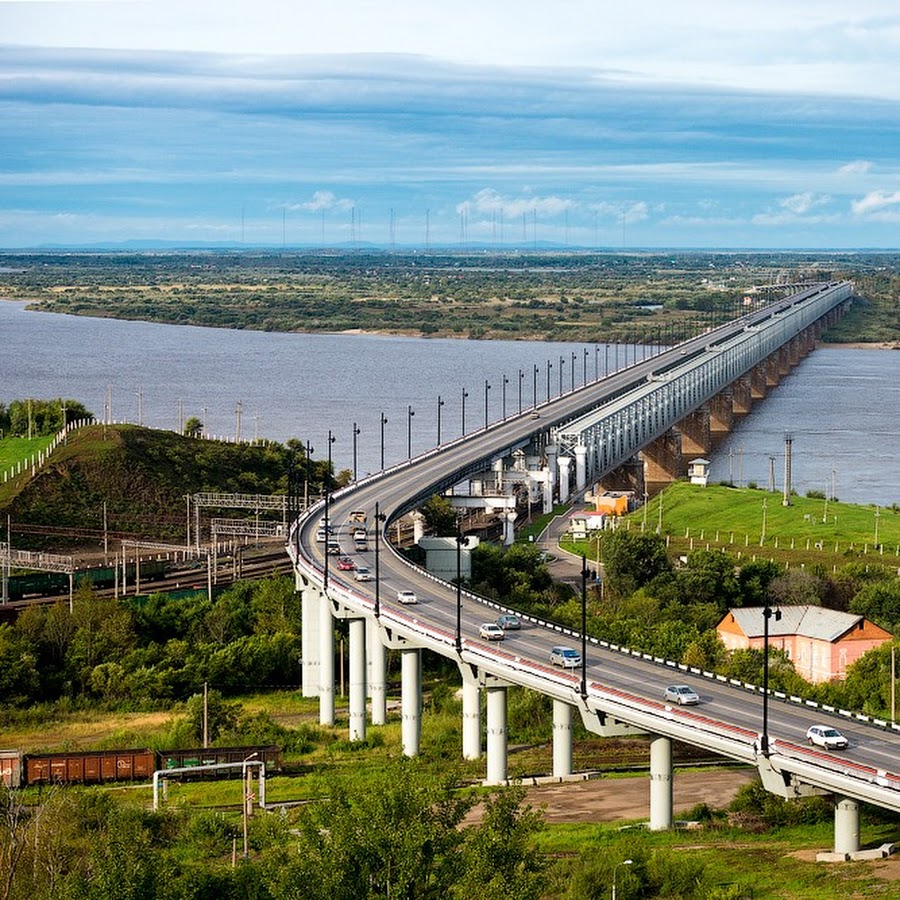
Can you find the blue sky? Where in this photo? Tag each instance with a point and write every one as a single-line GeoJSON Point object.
{"type": "Point", "coordinates": [665, 124]}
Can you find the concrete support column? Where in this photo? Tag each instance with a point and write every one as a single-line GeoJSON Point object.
{"type": "Point", "coordinates": [496, 735]}
{"type": "Point", "coordinates": [418, 526]}
{"type": "Point", "coordinates": [552, 452]}
{"type": "Point", "coordinates": [411, 700]}
{"type": "Point", "coordinates": [377, 658]}
{"type": "Point", "coordinates": [309, 641]}
{"type": "Point", "coordinates": [846, 825]}
{"type": "Point", "coordinates": [548, 490]}
{"type": "Point", "coordinates": [498, 475]}
{"type": "Point", "coordinates": [565, 478]}
{"type": "Point", "coordinates": [562, 739]}
{"type": "Point", "coordinates": [580, 468]}
{"type": "Point", "coordinates": [471, 720]}
{"type": "Point", "coordinates": [509, 528]}
{"type": "Point", "coordinates": [357, 679]}
{"type": "Point", "coordinates": [326, 661]}
{"type": "Point", "coordinates": [660, 783]}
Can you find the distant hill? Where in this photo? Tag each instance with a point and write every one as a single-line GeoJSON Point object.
{"type": "Point", "coordinates": [142, 476]}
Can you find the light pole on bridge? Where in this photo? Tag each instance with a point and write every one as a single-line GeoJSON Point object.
{"type": "Point", "coordinates": [356, 434]}
{"type": "Point", "coordinates": [465, 394]}
{"type": "Point", "coordinates": [327, 489]}
{"type": "Point", "coordinates": [487, 387]}
{"type": "Point", "coordinates": [383, 423]}
{"type": "Point", "coordinates": [440, 403]}
{"type": "Point", "coordinates": [410, 412]}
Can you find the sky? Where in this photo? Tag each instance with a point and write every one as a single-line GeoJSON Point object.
{"type": "Point", "coordinates": [498, 123]}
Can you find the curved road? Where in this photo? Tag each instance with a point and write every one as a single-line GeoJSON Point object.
{"type": "Point", "coordinates": [622, 688]}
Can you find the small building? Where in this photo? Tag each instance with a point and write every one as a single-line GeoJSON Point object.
{"type": "Point", "coordinates": [820, 642]}
{"type": "Point", "coordinates": [583, 521]}
{"type": "Point", "coordinates": [698, 471]}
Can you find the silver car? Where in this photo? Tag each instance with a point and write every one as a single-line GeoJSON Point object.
{"type": "Point", "coordinates": [682, 694]}
{"type": "Point", "coordinates": [565, 657]}
{"type": "Point", "coordinates": [826, 736]}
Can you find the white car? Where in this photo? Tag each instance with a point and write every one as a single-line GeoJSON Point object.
{"type": "Point", "coordinates": [565, 657]}
{"type": "Point", "coordinates": [682, 694]}
{"type": "Point", "coordinates": [407, 597]}
{"type": "Point", "coordinates": [825, 736]}
{"type": "Point", "coordinates": [362, 574]}
{"type": "Point", "coordinates": [491, 631]}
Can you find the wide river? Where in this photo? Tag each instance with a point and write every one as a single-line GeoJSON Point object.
{"type": "Point", "coordinates": [842, 406]}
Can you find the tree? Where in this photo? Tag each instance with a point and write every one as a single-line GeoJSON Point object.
{"type": "Point", "coordinates": [440, 517]}
{"type": "Point", "coordinates": [632, 560]}
{"type": "Point", "coordinates": [709, 577]}
{"type": "Point", "coordinates": [193, 427]}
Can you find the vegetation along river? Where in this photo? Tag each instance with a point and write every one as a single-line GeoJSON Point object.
{"type": "Point", "coordinates": [841, 405]}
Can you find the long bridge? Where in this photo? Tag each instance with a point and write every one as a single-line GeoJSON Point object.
{"type": "Point", "coordinates": [665, 408]}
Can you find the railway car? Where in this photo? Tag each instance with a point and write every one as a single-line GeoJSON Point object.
{"type": "Point", "coordinates": [178, 759]}
{"type": "Point", "coordinates": [89, 767]}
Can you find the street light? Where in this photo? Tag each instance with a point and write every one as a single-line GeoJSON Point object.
{"type": "Point", "coordinates": [440, 403]}
{"type": "Point", "coordinates": [534, 386]}
{"type": "Point", "coordinates": [562, 362]}
{"type": "Point", "coordinates": [625, 862]}
{"type": "Point", "coordinates": [248, 800]}
{"type": "Point", "coordinates": [549, 367]}
{"type": "Point", "coordinates": [326, 487]}
{"type": "Point", "coordinates": [768, 612]}
{"type": "Point", "coordinates": [383, 423]}
{"type": "Point", "coordinates": [379, 518]}
{"type": "Point", "coordinates": [584, 367]}
{"type": "Point", "coordinates": [521, 376]}
{"type": "Point", "coordinates": [459, 542]}
{"type": "Point", "coordinates": [584, 578]}
{"type": "Point", "coordinates": [465, 394]}
{"type": "Point", "coordinates": [410, 412]}
{"type": "Point", "coordinates": [503, 404]}
{"type": "Point", "coordinates": [356, 433]}
{"type": "Point", "coordinates": [487, 387]}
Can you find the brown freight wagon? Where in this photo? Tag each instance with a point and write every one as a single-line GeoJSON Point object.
{"type": "Point", "coordinates": [89, 767]}
{"type": "Point", "coordinates": [11, 768]}
{"type": "Point", "coordinates": [195, 757]}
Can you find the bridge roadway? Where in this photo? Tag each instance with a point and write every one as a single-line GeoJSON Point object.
{"type": "Point", "coordinates": [621, 692]}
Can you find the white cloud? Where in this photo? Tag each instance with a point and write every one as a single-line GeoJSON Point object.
{"type": "Point", "coordinates": [489, 201]}
{"type": "Point", "coordinates": [322, 200]}
{"type": "Point", "coordinates": [857, 167]}
{"type": "Point", "coordinates": [800, 204]}
{"type": "Point", "coordinates": [877, 203]}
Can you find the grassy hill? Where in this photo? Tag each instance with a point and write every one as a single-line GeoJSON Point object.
{"type": "Point", "coordinates": [142, 476]}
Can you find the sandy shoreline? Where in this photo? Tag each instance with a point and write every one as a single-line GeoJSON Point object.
{"type": "Point", "coordinates": [862, 345]}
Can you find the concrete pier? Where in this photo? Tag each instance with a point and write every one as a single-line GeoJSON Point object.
{"type": "Point", "coordinates": [497, 770]}
{"type": "Point", "coordinates": [357, 679]}
{"type": "Point", "coordinates": [411, 700]}
{"type": "Point", "coordinates": [377, 659]}
{"type": "Point", "coordinates": [471, 719]}
{"type": "Point", "coordinates": [661, 772]}
{"type": "Point", "coordinates": [326, 661]}
{"type": "Point", "coordinates": [562, 739]}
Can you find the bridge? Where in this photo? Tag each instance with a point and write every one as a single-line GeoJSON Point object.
{"type": "Point", "coordinates": [664, 408]}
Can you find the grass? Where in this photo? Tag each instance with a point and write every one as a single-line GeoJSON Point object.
{"type": "Point", "coordinates": [808, 532]}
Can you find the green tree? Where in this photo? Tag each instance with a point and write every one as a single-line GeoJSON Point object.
{"type": "Point", "coordinates": [440, 517]}
{"type": "Point", "coordinates": [632, 560]}
{"type": "Point", "coordinates": [193, 427]}
{"type": "Point", "coordinates": [879, 602]}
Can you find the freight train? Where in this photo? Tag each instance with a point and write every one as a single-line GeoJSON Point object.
{"type": "Point", "coordinates": [56, 584]}
{"type": "Point", "coordinates": [104, 766]}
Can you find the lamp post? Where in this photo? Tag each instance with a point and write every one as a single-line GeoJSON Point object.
{"type": "Point", "coordinates": [410, 412]}
{"type": "Point", "coordinates": [584, 578]}
{"type": "Point", "coordinates": [440, 403]}
{"type": "Point", "coordinates": [465, 394]}
{"type": "Point", "coordinates": [549, 367]}
{"type": "Point", "coordinates": [584, 367]}
{"type": "Point", "coordinates": [459, 543]}
{"type": "Point", "coordinates": [574, 357]}
{"type": "Point", "coordinates": [383, 423]}
{"type": "Point", "coordinates": [606, 360]}
{"type": "Point", "coordinates": [248, 799]}
{"type": "Point", "coordinates": [379, 518]}
{"type": "Point", "coordinates": [596, 362]}
{"type": "Point", "coordinates": [326, 487]}
{"type": "Point", "coordinates": [562, 362]}
{"type": "Point", "coordinates": [768, 612]}
{"type": "Point", "coordinates": [625, 862]}
{"type": "Point", "coordinates": [356, 433]}
{"type": "Point", "coordinates": [487, 387]}
{"type": "Point", "coordinates": [309, 451]}
{"type": "Point", "coordinates": [534, 387]}
{"type": "Point", "coordinates": [503, 402]}
{"type": "Point", "coordinates": [521, 376]}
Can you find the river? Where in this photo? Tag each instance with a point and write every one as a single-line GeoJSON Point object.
{"type": "Point", "coordinates": [842, 406]}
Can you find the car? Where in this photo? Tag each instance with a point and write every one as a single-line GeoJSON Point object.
{"type": "Point", "coordinates": [333, 548]}
{"type": "Point", "coordinates": [491, 631]}
{"type": "Point", "coordinates": [565, 657]}
{"type": "Point", "coordinates": [826, 736]}
{"type": "Point", "coordinates": [509, 622]}
{"type": "Point", "coordinates": [407, 597]}
{"type": "Point", "coordinates": [345, 564]}
{"type": "Point", "coordinates": [358, 534]}
{"type": "Point", "coordinates": [682, 694]}
{"type": "Point", "coordinates": [361, 546]}
{"type": "Point", "coordinates": [357, 515]}
{"type": "Point", "coordinates": [320, 535]}
{"type": "Point", "coordinates": [362, 574]}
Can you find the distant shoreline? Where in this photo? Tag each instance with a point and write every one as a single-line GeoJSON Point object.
{"type": "Point", "coordinates": [862, 345]}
